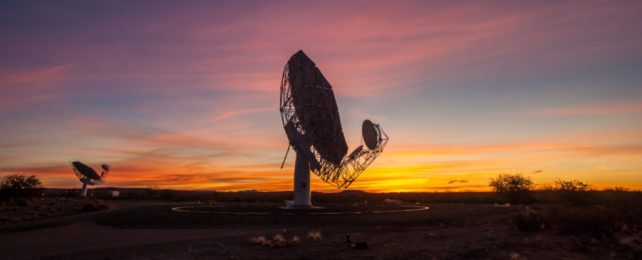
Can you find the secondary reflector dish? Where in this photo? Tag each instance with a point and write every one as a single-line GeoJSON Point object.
{"type": "Point", "coordinates": [370, 134]}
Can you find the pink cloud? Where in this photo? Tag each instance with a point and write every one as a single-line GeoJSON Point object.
{"type": "Point", "coordinates": [13, 101]}
{"type": "Point", "coordinates": [369, 51]}
{"type": "Point", "coordinates": [26, 87]}
{"type": "Point", "coordinates": [35, 77]}
{"type": "Point", "coordinates": [240, 112]}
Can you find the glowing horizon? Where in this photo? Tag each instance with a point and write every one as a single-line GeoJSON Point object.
{"type": "Point", "coordinates": [186, 96]}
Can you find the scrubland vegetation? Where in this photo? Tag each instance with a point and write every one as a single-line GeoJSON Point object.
{"type": "Point", "coordinates": [567, 207]}
{"type": "Point", "coordinates": [574, 208]}
{"type": "Point", "coordinates": [566, 219]}
{"type": "Point", "coordinates": [17, 185]}
{"type": "Point", "coordinates": [22, 198]}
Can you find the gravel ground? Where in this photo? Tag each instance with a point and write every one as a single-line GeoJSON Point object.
{"type": "Point", "coordinates": [151, 230]}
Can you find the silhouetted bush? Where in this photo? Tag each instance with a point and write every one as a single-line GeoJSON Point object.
{"type": "Point", "coordinates": [573, 185]}
{"type": "Point", "coordinates": [573, 192]}
{"type": "Point", "coordinates": [514, 187]}
{"type": "Point", "coordinates": [17, 185]}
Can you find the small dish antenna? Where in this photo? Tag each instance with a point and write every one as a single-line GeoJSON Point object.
{"type": "Point", "coordinates": [311, 121]}
{"type": "Point", "coordinates": [88, 176]}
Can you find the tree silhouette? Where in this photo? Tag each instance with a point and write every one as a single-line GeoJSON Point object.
{"type": "Point", "coordinates": [514, 187]}
{"type": "Point", "coordinates": [17, 185]}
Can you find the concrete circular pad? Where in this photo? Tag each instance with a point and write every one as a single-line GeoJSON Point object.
{"type": "Point", "coordinates": [274, 210]}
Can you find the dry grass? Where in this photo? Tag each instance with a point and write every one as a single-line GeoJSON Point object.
{"type": "Point", "coordinates": [315, 235]}
{"type": "Point", "coordinates": [277, 241]}
{"type": "Point", "coordinates": [296, 240]}
{"type": "Point", "coordinates": [28, 209]}
{"type": "Point", "coordinates": [600, 214]}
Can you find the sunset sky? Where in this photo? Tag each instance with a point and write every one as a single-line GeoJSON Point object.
{"type": "Point", "coordinates": [185, 94]}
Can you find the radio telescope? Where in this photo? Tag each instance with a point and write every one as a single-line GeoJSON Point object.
{"type": "Point", "coordinates": [311, 121]}
{"type": "Point", "coordinates": [88, 176]}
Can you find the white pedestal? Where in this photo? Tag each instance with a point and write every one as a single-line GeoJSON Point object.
{"type": "Point", "coordinates": [83, 192]}
{"type": "Point", "coordinates": [302, 195]}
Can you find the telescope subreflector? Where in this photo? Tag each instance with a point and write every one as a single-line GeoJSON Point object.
{"type": "Point", "coordinates": [311, 121]}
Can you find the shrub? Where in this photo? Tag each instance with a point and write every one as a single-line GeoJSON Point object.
{"type": "Point", "coordinates": [17, 185]}
{"type": "Point", "coordinates": [573, 185]}
{"type": "Point", "coordinates": [616, 189]}
{"type": "Point", "coordinates": [514, 187]}
{"type": "Point", "coordinates": [573, 192]}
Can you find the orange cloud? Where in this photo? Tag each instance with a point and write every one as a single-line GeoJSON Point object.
{"type": "Point", "coordinates": [610, 109]}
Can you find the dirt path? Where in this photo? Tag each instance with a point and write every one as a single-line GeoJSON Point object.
{"type": "Point", "coordinates": [152, 230]}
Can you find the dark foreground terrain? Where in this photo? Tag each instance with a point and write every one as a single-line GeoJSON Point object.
{"type": "Point", "coordinates": [151, 230]}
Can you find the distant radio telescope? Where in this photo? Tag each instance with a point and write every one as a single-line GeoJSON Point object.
{"type": "Point", "coordinates": [88, 176]}
{"type": "Point", "coordinates": [311, 121]}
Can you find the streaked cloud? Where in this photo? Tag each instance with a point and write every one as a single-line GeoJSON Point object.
{"type": "Point", "coordinates": [595, 110]}
{"type": "Point", "coordinates": [457, 181]}
{"type": "Point", "coordinates": [37, 77]}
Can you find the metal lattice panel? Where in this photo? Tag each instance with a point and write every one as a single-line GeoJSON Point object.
{"type": "Point", "coordinates": [311, 119]}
